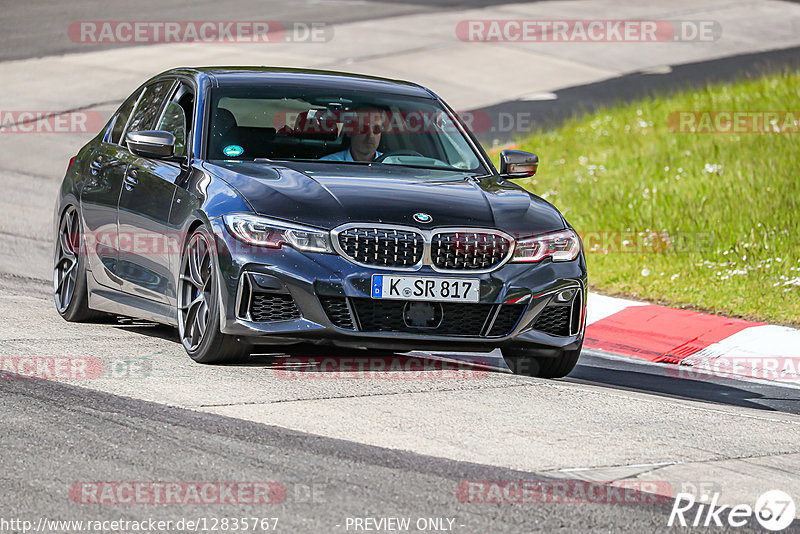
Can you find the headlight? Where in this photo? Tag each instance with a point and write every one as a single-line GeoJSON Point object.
{"type": "Point", "coordinates": [563, 245]}
{"type": "Point", "coordinates": [263, 232]}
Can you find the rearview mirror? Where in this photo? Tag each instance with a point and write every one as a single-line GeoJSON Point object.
{"type": "Point", "coordinates": [518, 164]}
{"type": "Point", "coordinates": [151, 143]}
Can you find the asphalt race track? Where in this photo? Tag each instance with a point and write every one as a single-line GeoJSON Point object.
{"type": "Point", "coordinates": [27, 28]}
{"type": "Point", "coordinates": [367, 446]}
{"type": "Point", "coordinates": [343, 445]}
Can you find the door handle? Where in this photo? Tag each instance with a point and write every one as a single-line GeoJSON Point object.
{"type": "Point", "coordinates": [131, 180]}
{"type": "Point", "coordinates": [96, 165]}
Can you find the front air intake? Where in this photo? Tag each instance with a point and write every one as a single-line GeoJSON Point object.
{"type": "Point", "coordinates": [255, 304]}
{"type": "Point", "coordinates": [561, 319]}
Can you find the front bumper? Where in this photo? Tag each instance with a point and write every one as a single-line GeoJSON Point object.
{"type": "Point", "coordinates": [298, 287]}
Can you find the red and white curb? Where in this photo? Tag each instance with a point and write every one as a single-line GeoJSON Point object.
{"type": "Point", "coordinates": [727, 348]}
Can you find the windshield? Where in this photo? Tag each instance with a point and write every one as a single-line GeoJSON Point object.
{"type": "Point", "coordinates": [336, 126]}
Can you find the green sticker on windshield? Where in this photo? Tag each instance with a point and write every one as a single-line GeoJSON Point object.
{"type": "Point", "coordinates": [233, 151]}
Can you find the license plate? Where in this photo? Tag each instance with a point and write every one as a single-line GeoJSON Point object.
{"type": "Point", "coordinates": [425, 288]}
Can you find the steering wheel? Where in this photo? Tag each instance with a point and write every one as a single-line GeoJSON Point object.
{"type": "Point", "coordinates": [385, 155]}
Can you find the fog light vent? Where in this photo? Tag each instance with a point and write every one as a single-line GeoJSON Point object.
{"type": "Point", "coordinates": [566, 295]}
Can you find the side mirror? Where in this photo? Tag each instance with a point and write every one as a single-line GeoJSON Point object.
{"type": "Point", "coordinates": [151, 143]}
{"type": "Point", "coordinates": [518, 164]}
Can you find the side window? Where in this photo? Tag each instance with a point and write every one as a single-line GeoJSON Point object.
{"type": "Point", "coordinates": [149, 105]}
{"type": "Point", "coordinates": [174, 122]}
{"type": "Point", "coordinates": [121, 119]}
{"type": "Point", "coordinates": [177, 117]}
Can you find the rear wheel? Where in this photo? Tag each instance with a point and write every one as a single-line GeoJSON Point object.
{"type": "Point", "coordinates": [525, 362]}
{"type": "Point", "coordinates": [69, 271]}
{"type": "Point", "coordinates": [198, 305]}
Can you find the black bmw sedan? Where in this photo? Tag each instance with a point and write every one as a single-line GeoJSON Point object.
{"type": "Point", "coordinates": [252, 206]}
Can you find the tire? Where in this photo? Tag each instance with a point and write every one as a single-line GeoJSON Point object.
{"type": "Point", "coordinates": [69, 271]}
{"type": "Point", "coordinates": [198, 305]}
{"type": "Point", "coordinates": [524, 362]}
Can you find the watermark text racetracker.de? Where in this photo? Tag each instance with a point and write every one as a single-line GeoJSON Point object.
{"type": "Point", "coordinates": [46, 122]}
{"type": "Point", "coordinates": [563, 491]}
{"type": "Point", "coordinates": [378, 368]}
{"type": "Point", "coordinates": [588, 31]}
{"type": "Point", "coordinates": [208, 31]}
{"type": "Point", "coordinates": [71, 368]}
{"type": "Point", "coordinates": [644, 242]}
{"type": "Point", "coordinates": [777, 368]}
{"type": "Point", "coordinates": [176, 493]}
{"type": "Point", "coordinates": [594, 241]}
{"type": "Point", "coordinates": [734, 122]}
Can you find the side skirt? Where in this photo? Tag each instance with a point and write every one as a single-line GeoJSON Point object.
{"type": "Point", "coordinates": [109, 300]}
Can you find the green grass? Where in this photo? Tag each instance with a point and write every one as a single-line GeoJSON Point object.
{"type": "Point", "coordinates": [730, 203]}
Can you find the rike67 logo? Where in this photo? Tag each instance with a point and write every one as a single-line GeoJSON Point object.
{"type": "Point", "coordinates": [774, 510]}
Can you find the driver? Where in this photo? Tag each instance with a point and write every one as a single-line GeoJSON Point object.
{"type": "Point", "coordinates": [365, 136]}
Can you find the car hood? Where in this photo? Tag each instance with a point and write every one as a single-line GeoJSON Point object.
{"type": "Point", "coordinates": [327, 195]}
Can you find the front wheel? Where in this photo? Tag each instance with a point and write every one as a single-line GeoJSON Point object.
{"type": "Point", "coordinates": [525, 362]}
{"type": "Point", "coordinates": [198, 305]}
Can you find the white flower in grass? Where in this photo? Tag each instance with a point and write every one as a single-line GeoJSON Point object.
{"type": "Point", "coordinates": [645, 272]}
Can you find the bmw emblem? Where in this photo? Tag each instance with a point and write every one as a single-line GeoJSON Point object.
{"type": "Point", "coordinates": [423, 218]}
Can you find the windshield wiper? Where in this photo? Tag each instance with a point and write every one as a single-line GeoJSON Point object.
{"type": "Point", "coordinates": [306, 160]}
{"type": "Point", "coordinates": [431, 167]}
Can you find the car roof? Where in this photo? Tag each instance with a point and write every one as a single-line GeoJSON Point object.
{"type": "Point", "coordinates": [281, 76]}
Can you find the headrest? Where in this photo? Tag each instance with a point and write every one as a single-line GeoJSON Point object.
{"type": "Point", "coordinates": [224, 120]}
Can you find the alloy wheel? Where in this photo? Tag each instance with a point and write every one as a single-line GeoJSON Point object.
{"type": "Point", "coordinates": [195, 292]}
{"type": "Point", "coordinates": [65, 272]}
